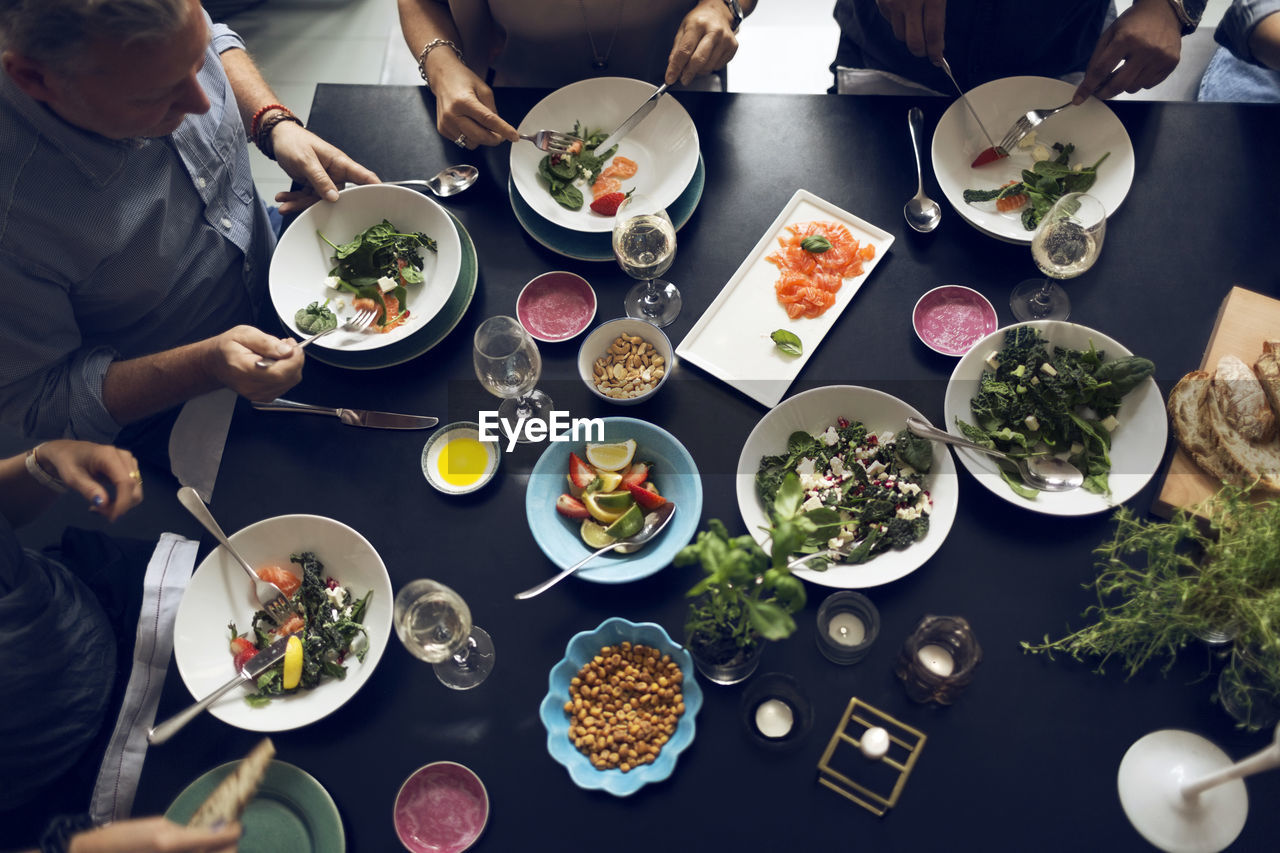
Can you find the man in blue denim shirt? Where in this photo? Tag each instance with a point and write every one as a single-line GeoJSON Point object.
{"type": "Point", "coordinates": [1247, 66]}
{"type": "Point", "coordinates": [133, 243]}
{"type": "Point", "coordinates": [988, 39]}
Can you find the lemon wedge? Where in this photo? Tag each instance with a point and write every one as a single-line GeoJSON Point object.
{"type": "Point", "coordinates": [292, 662]}
{"type": "Point", "coordinates": [612, 457]}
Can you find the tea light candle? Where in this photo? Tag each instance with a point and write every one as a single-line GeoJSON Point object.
{"type": "Point", "coordinates": [774, 718]}
{"type": "Point", "coordinates": [875, 743]}
{"type": "Point", "coordinates": [846, 629]}
{"type": "Point", "coordinates": [936, 659]}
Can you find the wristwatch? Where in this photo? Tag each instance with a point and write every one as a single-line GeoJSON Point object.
{"type": "Point", "coordinates": [735, 9]}
{"type": "Point", "coordinates": [1189, 13]}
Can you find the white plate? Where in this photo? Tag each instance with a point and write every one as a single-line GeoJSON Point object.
{"type": "Point", "coordinates": [219, 593]}
{"type": "Point", "coordinates": [302, 260]}
{"type": "Point", "coordinates": [1092, 127]}
{"type": "Point", "coordinates": [664, 145]}
{"type": "Point", "coordinates": [1137, 445]}
{"type": "Point", "coordinates": [731, 339]}
{"type": "Point", "coordinates": [813, 411]}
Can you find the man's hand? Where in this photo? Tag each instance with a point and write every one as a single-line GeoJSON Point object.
{"type": "Point", "coordinates": [920, 24]}
{"type": "Point", "coordinates": [154, 835]}
{"type": "Point", "coordinates": [308, 159]}
{"type": "Point", "coordinates": [704, 43]}
{"type": "Point", "coordinates": [1147, 38]}
{"type": "Point", "coordinates": [232, 360]}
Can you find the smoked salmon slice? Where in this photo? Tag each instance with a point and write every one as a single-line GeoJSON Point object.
{"type": "Point", "coordinates": [809, 280]}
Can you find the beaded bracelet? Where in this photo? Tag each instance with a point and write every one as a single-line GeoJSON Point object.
{"type": "Point", "coordinates": [253, 124]}
{"type": "Point", "coordinates": [37, 471]}
{"type": "Point", "coordinates": [430, 46]}
{"type": "Point", "coordinates": [263, 138]}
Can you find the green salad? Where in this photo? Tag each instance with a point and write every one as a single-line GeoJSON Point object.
{"type": "Point", "coordinates": [560, 172]}
{"type": "Point", "coordinates": [1043, 184]}
{"type": "Point", "coordinates": [1035, 399]}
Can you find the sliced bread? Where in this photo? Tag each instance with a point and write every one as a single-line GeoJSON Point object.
{"type": "Point", "coordinates": [229, 799]}
{"type": "Point", "coordinates": [1241, 400]}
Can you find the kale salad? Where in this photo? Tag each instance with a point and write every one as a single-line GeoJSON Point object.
{"type": "Point", "coordinates": [1037, 399]}
{"type": "Point", "coordinates": [861, 491]}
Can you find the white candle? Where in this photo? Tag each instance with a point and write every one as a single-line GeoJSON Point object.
{"type": "Point", "coordinates": [875, 743]}
{"type": "Point", "coordinates": [774, 718]}
{"type": "Point", "coordinates": [936, 659]}
{"type": "Point", "coordinates": [846, 629]}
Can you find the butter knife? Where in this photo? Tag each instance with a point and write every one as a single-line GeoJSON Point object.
{"type": "Point", "coordinates": [253, 667]}
{"type": "Point", "coordinates": [353, 417]}
{"type": "Point", "coordinates": [636, 117]}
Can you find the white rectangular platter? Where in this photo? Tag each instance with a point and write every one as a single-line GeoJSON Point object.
{"type": "Point", "coordinates": [731, 340]}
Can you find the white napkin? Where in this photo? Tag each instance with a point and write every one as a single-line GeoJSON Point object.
{"type": "Point", "coordinates": [198, 438]}
{"type": "Point", "coordinates": [166, 580]}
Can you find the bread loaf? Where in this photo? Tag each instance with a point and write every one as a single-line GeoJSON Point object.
{"type": "Point", "coordinates": [1214, 444]}
{"type": "Point", "coordinates": [229, 799]}
{"type": "Point", "coordinates": [1268, 369]}
{"type": "Point", "coordinates": [1241, 400]}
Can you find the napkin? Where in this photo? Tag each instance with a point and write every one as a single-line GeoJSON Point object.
{"type": "Point", "coordinates": [166, 580]}
{"type": "Point", "coordinates": [198, 438]}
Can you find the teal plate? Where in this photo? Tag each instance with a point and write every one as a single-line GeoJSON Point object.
{"type": "Point", "coordinates": [291, 813]}
{"type": "Point", "coordinates": [429, 335]}
{"type": "Point", "coordinates": [597, 246]}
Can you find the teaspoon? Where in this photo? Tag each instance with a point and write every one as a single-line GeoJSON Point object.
{"type": "Point", "coordinates": [653, 524]}
{"type": "Point", "coordinates": [922, 212]}
{"type": "Point", "coordinates": [1046, 473]}
{"type": "Point", "coordinates": [449, 181]}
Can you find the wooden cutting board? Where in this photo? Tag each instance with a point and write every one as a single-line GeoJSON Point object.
{"type": "Point", "coordinates": [1244, 321]}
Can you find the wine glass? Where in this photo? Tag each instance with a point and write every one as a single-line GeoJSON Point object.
{"type": "Point", "coordinates": [644, 242]}
{"type": "Point", "coordinates": [508, 365]}
{"type": "Point", "coordinates": [1066, 244]}
{"type": "Point", "coordinates": [434, 623]}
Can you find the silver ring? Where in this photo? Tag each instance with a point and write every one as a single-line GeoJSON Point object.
{"type": "Point", "coordinates": [461, 141]}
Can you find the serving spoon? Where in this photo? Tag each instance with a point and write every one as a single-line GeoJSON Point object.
{"type": "Point", "coordinates": [922, 212]}
{"type": "Point", "coordinates": [653, 524]}
{"type": "Point", "coordinates": [448, 181]}
{"type": "Point", "coordinates": [1046, 473]}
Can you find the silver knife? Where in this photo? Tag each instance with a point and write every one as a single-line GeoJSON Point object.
{"type": "Point", "coordinates": [353, 417]}
{"type": "Point", "coordinates": [253, 667]}
{"type": "Point", "coordinates": [963, 97]}
{"type": "Point", "coordinates": [636, 117]}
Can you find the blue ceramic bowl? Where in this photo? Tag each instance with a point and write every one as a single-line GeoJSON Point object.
{"type": "Point", "coordinates": [674, 473]}
{"type": "Point", "coordinates": [581, 649]}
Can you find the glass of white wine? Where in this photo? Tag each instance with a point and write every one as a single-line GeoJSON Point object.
{"type": "Point", "coordinates": [1065, 245]}
{"type": "Point", "coordinates": [434, 623]}
{"type": "Point", "coordinates": [644, 242]}
{"type": "Point", "coordinates": [508, 365]}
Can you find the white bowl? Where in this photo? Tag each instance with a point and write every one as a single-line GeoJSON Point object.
{"type": "Point", "coordinates": [597, 345]}
{"type": "Point", "coordinates": [664, 145]}
{"type": "Point", "coordinates": [302, 260]}
{"type": "Point", "coordinates": [435, 447]}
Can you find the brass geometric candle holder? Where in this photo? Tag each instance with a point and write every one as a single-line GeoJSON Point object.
{"type": "Point", "coordinates": [861, 735]}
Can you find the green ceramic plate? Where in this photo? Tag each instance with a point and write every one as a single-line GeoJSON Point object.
{"type": "Point", "coordinates": [291, 813]}
{"type": "Point", "coordinates": [425, 338]}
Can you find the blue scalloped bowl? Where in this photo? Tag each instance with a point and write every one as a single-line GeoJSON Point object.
{"type": "Point", "coordinates": [582, 648]}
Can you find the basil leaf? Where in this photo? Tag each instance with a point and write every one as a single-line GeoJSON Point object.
{"type": "Point", "coordinates": [787, 341]}
{"type": "Point", "coordinates": [815, 244]}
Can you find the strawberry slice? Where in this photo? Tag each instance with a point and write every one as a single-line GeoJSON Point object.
{"type": "Point", "coordinates": [571, 507]}
{"type": "Point", "coordinates": [243, 650]}
{"type": "Point", "coordinates": [608, 204]}
{"type": "Point", "coordinates": [581, 474]}
{"type": "Point", "coordinates": [989, 156]}
{"type": "Point", "coordinates": [636, 474]}
{"type": "Point", "coordinates": [645, 499]}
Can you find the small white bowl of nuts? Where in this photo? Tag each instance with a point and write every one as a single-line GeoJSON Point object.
{"type": "Point", "coordinates": [625, 361]}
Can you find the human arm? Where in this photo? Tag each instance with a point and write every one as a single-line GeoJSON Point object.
{"type": "Point", "coordinates": [1250, 29]}
{"type": "Point", "coordinates": [464, 102]}
{"type": "Point", "coordinates": [102, 474]}
{"type": "Point", "coordinates": [705, 41]}
{"type": "Point", "coordinates": [154, 835]}
{"type": "Point", "coordinates": [1147, 38]}
{"type": "Point", "coordinates": [919, 24]}
{"type": "Point", "coordinates": [1265, 41]}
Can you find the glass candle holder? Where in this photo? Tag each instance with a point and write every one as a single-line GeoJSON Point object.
{"type": "Point", "coordinates": [775, 711]}
{"type": "Point", "coordinates": [937, 661]}
{"type": "Point", "coordinates": [848, 623]}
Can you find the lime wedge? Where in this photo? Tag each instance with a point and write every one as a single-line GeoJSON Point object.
{"type": "Point", "coordinates": [594, 535]}
{"type": "Point", "coordinates": [628, 525]}
{"type": "Point", "coordinates": [612, 457]}
{"type": "Point", "coordinates": [606, 515]}
{"type": "Point", "coordinates": [614, 501]}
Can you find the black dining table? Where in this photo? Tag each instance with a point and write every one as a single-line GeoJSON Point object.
{"type": "Point", "coordinates": [1026, 759]}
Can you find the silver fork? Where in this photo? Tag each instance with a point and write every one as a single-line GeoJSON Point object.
{"type": "Point", "coordinates": [551, 140]}
{"type": "Point", "coordinates": [361, 321]}
{"type": "Point", "coordinates": [270, 597]}
{"type": "Point", "coordinates": [835, 555]}
{"type": "Point", "coordinates": [1025, 124]}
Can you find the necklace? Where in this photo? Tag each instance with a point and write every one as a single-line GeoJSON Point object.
{"type": "Point", "coordinates": [600, 63]}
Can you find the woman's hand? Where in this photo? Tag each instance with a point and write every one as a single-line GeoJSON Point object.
{"type": "Point", "coordinates": [154, 835]}
{"type": "Point", "coordinates": [465, 109]}
{"type": "Point", "coordinates": [704, 43]}
{"type": "Point", "coordinates": [106, 476]}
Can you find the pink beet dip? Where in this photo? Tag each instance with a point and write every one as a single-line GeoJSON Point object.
{"type": "Point", "coordinates": [556, 306]}
{"type": "Point", "coordinates": [442, 808]}
{"type": "Point", "coordinates": [951, 319]}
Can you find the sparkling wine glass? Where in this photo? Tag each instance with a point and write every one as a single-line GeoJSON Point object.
{"type": "Point", "coordinates": [1066, 244]}
{"type": "Point", "coordinates": [434, 623]}
{"type": "Point", "coordinates": [644, 242]}
{"type": "Point", "coordinates": [508, 365]}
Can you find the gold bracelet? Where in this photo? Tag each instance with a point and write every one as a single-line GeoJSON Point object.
{"type": "Point", "coordinates": [40, 475]}
{"type": "Point", "coordinates": [430, 46]}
